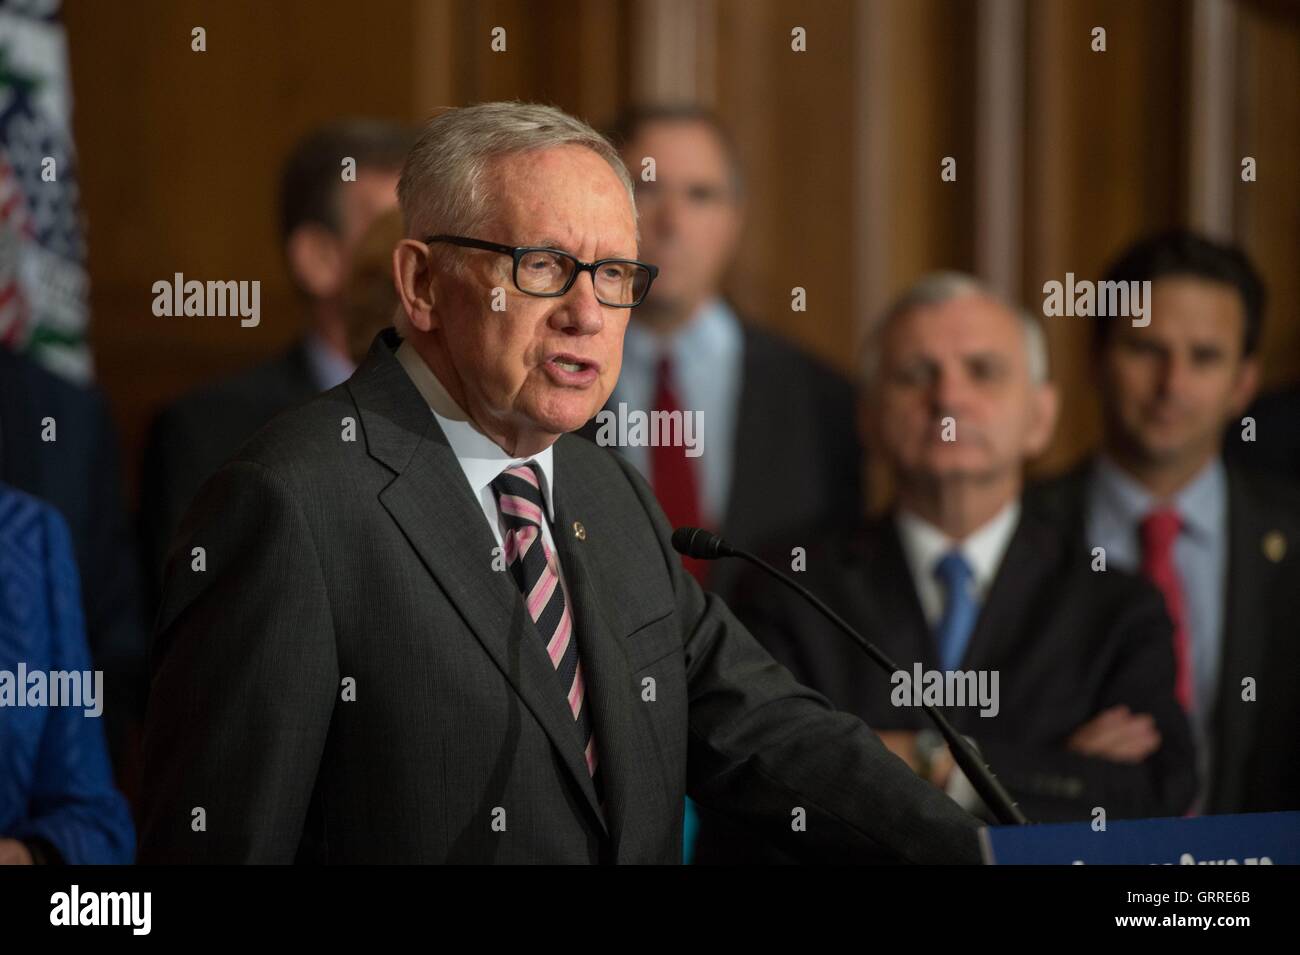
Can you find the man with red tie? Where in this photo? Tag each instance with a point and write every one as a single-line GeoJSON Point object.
{"type": "Point", "coordinates": [774, 423]}
{"type": "Point", "coordinates": [1219, 542]}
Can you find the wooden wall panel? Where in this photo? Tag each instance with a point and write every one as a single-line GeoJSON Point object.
{"type": "Point", "coordinates": [179, 154]}
{"type": "Point", "coordinates": [792, 115]}
{"type": "Point", "coordinates": [1268, 210]}
{"type": "Point", "coordinates": [1105, 163]}
{"type": "Point", "coordinates": [179, 151]}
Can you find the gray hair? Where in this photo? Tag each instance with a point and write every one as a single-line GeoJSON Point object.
{"type": "Point", "coordinates": [441, 189]}
{"type": "Point", "coordinates": [937, 288]}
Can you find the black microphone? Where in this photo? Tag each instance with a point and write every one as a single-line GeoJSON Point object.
{"type": "Point", "coordinates": [705, 545]}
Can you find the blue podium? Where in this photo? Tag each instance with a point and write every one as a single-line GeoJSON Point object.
{"type": "Point", "coordinates": [1269, 838]}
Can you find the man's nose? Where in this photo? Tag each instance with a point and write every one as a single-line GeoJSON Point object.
{"type": "Point", "coordinates": [950, 392]}
{"type": "Point", "coordinates": [579, 312]}
{"type": "Point", "coordinates": [1172, 374]}
{"type": "Point", "coordinates": [665, 219]}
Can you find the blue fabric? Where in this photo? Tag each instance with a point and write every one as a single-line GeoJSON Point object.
{"type": "Point", "coordinates": [55, 780]}
{"type": "Point", "coordinates": [960, 609]}
{"type": "Point", "coordinates": [690, 829]}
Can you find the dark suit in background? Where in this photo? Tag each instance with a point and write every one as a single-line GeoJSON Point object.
{"type": "Point", "coordinates": [79, 475]}
{"type": "Point", "coordinates": [371, 560]}
{"type": "Point", "coordinates": [1257, 754]}
{"type": "Point", "coordinates": [797, 461]}
{"type": "Point", "coordinates": [1068, 643]}
{"type": "Point", "coordinates": [1277, 435]}
{"type": "Point", "coordinates": [194, 436]}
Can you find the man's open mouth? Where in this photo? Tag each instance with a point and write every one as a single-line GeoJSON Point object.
{"type": "Point", "coordinates": [572, 370]}
{"type": "Point", "coordinates": [573, 363]}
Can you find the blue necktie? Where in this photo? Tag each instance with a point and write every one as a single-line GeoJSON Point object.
{"type": "Point", "coordinates": [960, 609]}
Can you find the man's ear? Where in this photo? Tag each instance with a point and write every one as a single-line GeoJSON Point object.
{"type": "Point", "coordinates": [1247, 384]}
{"type": "Point", "coordinates": [414, 282]}
{"type": "Point", "coordinates": [315, 257]}
{"type": "Point", "coordinates": [1044, 408]}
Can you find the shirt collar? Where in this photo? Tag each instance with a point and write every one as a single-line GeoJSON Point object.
{"type": "Point", "coordinates": [924, 544]}
{"type": "Point", "coordinates": [1201, 503]}
{"type": "Point", "coordinates": [328, 367]}
{"type": "Point", "coordinates": [711, 330]}
{"type": "Point", "coordinates": [478, 455]}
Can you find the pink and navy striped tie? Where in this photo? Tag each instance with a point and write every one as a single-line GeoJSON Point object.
{"type": "Point", "coordinates": [536, 572]}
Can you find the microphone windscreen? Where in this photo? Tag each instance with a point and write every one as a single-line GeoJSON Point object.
{"type": "Point", "coordinates": [698, 543]}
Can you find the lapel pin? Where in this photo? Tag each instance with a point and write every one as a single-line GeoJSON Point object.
{"type": "Point", "coordinates": [580, 532]}
{"type": "Point", "coordinates": [1274, 544]}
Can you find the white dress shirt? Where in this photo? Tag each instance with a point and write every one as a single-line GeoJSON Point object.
{"type": "Point", "coordinates": [924, 545]}
{"type": "Point", "coordinates": [1117, 505]}
{"type": "Point", "coordinates": [707, 355]}
{"type": "Point", "coordinates": [328, 367]}
{"type": "Point", "coordinates": [479, 457]}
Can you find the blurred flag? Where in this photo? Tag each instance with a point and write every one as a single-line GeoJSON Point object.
{"type": "Point", "coordinates": [43, 280]}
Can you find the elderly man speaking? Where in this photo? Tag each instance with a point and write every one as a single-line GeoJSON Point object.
{"type": "Point", "coordinates": [414, 620]}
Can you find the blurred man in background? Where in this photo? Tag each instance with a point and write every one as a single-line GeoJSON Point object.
{"type": "Point", "coordinates": [1221, 543]}
{"type": "Point", "coordinates": [369, 298]}
{"type": "Point", "coordinates": [777, 424]}
{"type": "Point", "coordinates": [322, 219]}
{"type": "Point", "coordinates": [959, 578]}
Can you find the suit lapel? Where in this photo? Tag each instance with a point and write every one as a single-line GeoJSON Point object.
{"type": "Point", "coordinates": [431, 502]}
{"type": "Point", "coordinates": [890, 596]}
{"type": "Point", "coordinates": [630, 770]}
{"type": "Point", "coordinates": [1032, 555]}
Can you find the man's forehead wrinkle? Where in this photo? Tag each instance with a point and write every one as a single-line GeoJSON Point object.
{"type": "Point", "coordinates": [525, 213]}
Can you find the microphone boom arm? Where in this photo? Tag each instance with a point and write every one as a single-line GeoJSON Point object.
{"type": "Point", "coordinates": [696, 542]}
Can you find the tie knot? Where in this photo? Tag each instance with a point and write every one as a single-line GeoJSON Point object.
{"type": "Point", "coordinates": [519, 495]}
{"type": "Point", "coordinates": [1160, 528]}
{"type": "Point", "coordinates": [953, 571]}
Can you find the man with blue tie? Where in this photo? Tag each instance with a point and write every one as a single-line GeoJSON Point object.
{"type": "Point", "coordinates": [963, 583]}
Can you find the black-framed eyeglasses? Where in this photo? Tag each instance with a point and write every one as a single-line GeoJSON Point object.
{"type": "Point", "coordinates": [550, 273]}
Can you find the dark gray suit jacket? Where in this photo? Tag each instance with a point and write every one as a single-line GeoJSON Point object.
{"type": "Point", "coordinates": [370, 561]}
{"type": "Point", "coordinates": [1256, 764]}
{"type": "Point", "coordinates": [1067, 643]}
{"type": "Point", "coordinates": [193, 436]}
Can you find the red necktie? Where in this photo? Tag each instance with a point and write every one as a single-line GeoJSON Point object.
{"type": "Point", "coordinates": [672, 474]}
{"type": "Point", "coordinates": [1159, 530]}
